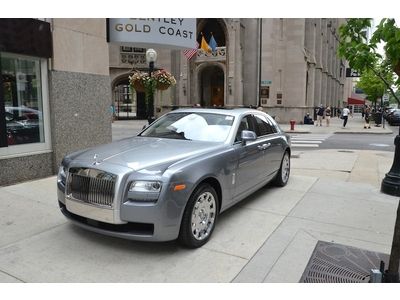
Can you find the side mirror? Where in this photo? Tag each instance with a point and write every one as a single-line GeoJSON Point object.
{"type": "Point", "coordinates": [248, 136]}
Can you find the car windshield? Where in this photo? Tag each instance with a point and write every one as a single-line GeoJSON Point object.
{"type": "Point", "coordinates": [207, 127]}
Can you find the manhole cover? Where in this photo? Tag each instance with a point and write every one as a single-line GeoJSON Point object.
{"type": "Point", "coordinates": [346, 151]}
{"type": "Point", "coordinates": [335, 263]}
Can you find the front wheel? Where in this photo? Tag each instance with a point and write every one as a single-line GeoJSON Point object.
{"type": "Point", "coordinates": [200, 216]}
{"type": "Point", "coordinates": [282, 177]}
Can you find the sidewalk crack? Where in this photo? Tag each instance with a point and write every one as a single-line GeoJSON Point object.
{"type": "Point", "coordinates": [8, 274]}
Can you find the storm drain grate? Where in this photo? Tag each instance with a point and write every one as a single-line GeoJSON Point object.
{"type": "Point", "coordinates": [335, 263]}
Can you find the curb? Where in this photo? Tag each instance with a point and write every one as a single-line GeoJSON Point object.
{"type": "Point", "coordinates": [295, 131]}
{"type": "Point", "coordinates": [362, 132]}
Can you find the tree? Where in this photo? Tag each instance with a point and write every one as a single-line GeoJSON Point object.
{"type": "Point", "coordinates": [362, 54]}
{"type": "Point", "coordinates": [393, 99]}
{"type": "Point", "coordinates": [373, 86]}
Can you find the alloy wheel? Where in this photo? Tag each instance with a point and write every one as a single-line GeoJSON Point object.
{"type": "Point", "coordinates": [203, 216]}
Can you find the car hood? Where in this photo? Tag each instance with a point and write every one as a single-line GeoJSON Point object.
{"type": "Point", "coordinates": [140, 152]}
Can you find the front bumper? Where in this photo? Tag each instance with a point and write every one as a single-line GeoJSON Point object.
{"type": "Point", "coordinates": [157, 222]}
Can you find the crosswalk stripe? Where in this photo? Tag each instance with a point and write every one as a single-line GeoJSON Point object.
{"type": "Point", "coordinates": [310, 136]}
{"type": "Point", "coordinates": [308, 141]}
{"type": "Point", "coordinates": [305, 145]}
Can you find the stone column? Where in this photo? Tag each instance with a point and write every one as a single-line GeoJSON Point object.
{"type": "Point", "coordinates": [79, 86]}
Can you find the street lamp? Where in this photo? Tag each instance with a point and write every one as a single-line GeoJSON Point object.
{"type": "Point", "coordinates": [151, 57]}
{"type": "Point", "coordinates": [391, 185]}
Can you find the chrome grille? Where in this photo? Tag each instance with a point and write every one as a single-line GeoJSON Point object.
{"type": "Point", "coordinates": [91, 186]}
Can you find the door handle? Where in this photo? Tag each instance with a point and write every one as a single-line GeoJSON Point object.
{"type": "Point", "coordinates": [264, 146]}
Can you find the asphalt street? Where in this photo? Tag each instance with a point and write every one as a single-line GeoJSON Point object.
{"type": "Point", "coordinates": [376, 142]}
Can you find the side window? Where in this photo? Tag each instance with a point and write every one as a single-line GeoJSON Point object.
{"type": "Point", "coordinates": [264, 127]}
{"type": "Point", "coordinates": [244, 125]}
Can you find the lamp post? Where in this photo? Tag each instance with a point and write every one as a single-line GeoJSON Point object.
{"type": "Point", "coordinates": [151, 57]}
{"type": "Point", "coordinates": [391, 185]}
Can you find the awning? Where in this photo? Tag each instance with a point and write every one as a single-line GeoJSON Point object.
{"type": "Point", "coordinates": [354, 101]}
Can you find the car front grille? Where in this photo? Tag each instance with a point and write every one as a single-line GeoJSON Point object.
{"type": "Point", "coordinates": [91, 186]}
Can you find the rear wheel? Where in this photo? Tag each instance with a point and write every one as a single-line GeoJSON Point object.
{"type": "Point", "coordinates": [282, 177]}
{"type": "Point", "coordinates": [200, 216]}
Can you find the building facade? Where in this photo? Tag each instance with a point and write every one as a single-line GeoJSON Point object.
{"type": "Point", "coordinates": [60, 78]}
{"type": "Point", "coordinates": [54, 93]}
{"type": "Point", "coordinates": [287, 66]}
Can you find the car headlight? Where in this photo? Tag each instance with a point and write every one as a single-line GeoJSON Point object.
{"type": "Point", "coordinates": [62, 176]}
{"type": "Point", "coordinates": [144, 191]}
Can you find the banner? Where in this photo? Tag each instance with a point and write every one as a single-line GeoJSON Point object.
{"type": "Point", "coordinates": [158, 32]}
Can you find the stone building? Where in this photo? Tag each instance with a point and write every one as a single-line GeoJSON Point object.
{"type": "Point", "coordinates": [287, 66]}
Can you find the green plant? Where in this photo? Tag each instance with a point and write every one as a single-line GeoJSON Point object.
{"type": "Point", "coordinates": [142, 82]}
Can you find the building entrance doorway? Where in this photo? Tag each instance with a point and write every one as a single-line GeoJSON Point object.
{"type": "Point", "coordinates": [128, 103]}
{"type": "Point", "coordinates": [212, 88]}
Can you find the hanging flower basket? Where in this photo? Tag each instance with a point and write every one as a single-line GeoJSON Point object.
{"type": "Point", "coordinates": [164, 79]}
{"type": "Point", "coordinates": [162, 86]}
{"type": "Point", "coordinates": [159, 80]}
{"type": "Point", "coordinates": [138, 86]}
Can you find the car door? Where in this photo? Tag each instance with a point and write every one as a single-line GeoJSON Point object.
{"type": "Point", "coordinates": [250, 159]}
{"type": "Point", "coordinates": [272, 144]}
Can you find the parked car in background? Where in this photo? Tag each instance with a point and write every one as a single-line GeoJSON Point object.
{"type": "Point", "coordinates": [174, 179]}
{"type": "Point", "coordinates": [387, 112]}
{"type": "Point", "coordinates": [393, 117]}
{"type": "Point", "coordinates": [25, 114]}
{"type": "Point", "coordinates": [22, 129]}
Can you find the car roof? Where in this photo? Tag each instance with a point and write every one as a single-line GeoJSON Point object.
{"type": "Point", "coordinates": [223, 111]}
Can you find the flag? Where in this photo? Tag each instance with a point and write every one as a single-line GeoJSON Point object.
{"type": "Point", "coordinates": [189, 53]}
{"type": "Point", "coordinates": [204, 44]}
{"type": "Point", "coordinates": [213, 44]}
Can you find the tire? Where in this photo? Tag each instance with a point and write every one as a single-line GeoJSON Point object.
{"type": "Point", "coordinates": [282, 177]}
{"type": "Point", "coordinates": [200, 216]}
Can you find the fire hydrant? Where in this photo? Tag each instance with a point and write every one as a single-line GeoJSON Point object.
{"type": "Point", "coordinates": [292, 122]}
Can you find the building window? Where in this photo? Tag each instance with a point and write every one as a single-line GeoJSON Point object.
{"type": "Point", "coordinates": [24, 105]}
{"type": "Point", "coordinates": [279, 98]}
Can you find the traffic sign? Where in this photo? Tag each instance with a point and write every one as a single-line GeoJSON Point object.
{"type": "Point", "coordinates": [385, 97]}
{"type": "Point", "coordinates": [266, 82]}
{"type": "Point", "coordinates": [352, 73]}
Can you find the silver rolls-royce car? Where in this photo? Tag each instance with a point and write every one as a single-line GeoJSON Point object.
{"type": "Point", "coordinates": [173, 179]}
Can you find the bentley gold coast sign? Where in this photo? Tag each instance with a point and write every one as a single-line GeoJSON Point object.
{"type": "Point", "coordinates": [167, 32]}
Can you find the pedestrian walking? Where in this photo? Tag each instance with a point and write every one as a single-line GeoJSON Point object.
{"type": "Point", "coordinates": [367, 112]}
{"type": "Point", "coordinates": [320, 114]}
{"type": "Point", "coordinates": [327, 115]}
{"type": "Point", "coordinates": [112, 110]}
{"type": "Point", "coordinates": [345, 115]}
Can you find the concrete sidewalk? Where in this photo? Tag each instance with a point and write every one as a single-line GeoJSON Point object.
{"type": "Point", "coordinates": [354, 125]}
{"type": "Point", "coordinates": [332, 195]}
